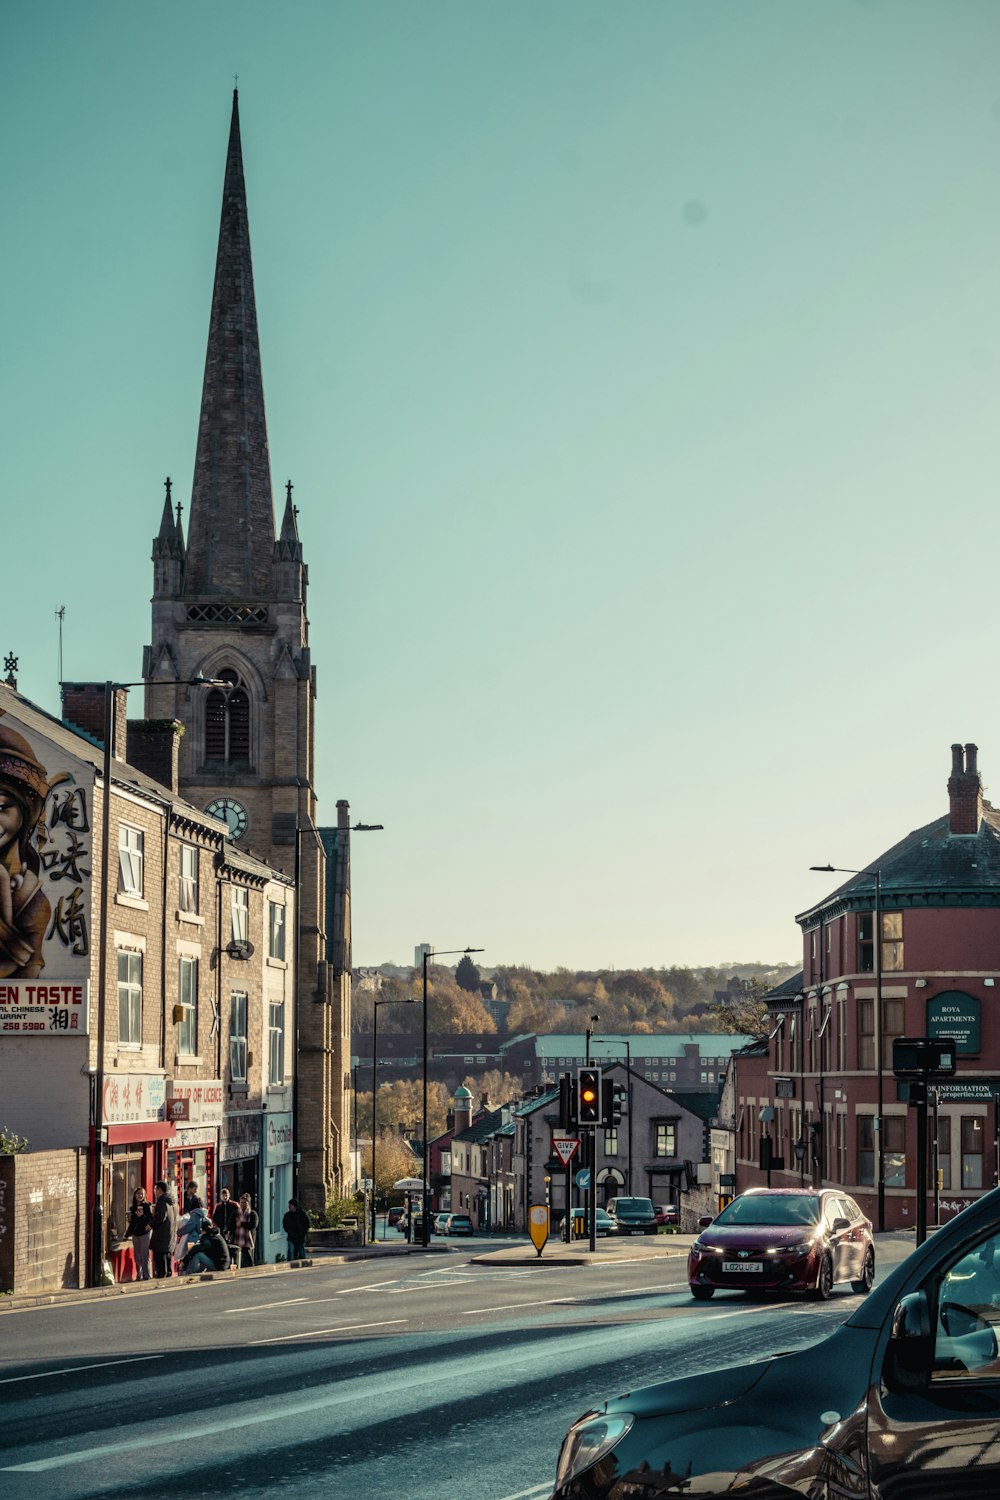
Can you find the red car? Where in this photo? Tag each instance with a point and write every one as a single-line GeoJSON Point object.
{"type": "Point", "coordinates": [666, 1213]}
{"type": "Point", "coordinates": [394, 1216]}
{"type": "Point", "coordinates": [784, 1240]}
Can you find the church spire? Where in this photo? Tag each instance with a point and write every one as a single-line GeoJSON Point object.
{"type": "Point", "coordinates": [230, 544]}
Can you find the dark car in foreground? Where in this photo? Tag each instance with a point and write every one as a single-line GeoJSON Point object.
{"type": "Point", "coordinates": [633, 1215]}
{"type": "Point", "coordinates": [902, 1402]}
{"type": "Point", "coordinates": [784, 1240]}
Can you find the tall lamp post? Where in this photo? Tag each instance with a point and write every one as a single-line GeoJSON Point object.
{"type": "Point", "coordinates": [879, 1039]}
{"type": "Point", "coordinates": [425, 1193]}
{"type": "Point", "coordinates": [97, 1227]}
{"type": "Point", "coordinates": [375, 1095]}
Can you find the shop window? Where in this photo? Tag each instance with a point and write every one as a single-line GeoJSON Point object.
{"type": "Point", "coordinates": [943, 1152]}
{"type": "Point", "coordinates": [866, 1033]}
{"type": "Point", "coordinates": [187, 1028]}
{"type": "Point", "coordinates": [276, 1042]}
{"type": "Point", "coordinates": [241, 914]}
{"type": "Point", "coordinates": [666, 1140]}
{"type": "Point", "coordinates": [238, 1037]}
{"type": "Point", "coordinates": [130, 860]}
{"type": "Point", "coordinates": [125, 1175]}
{"type": "Point", "coordinates": [972, 1151]}
{"type": "Point", "coordinates": [894, 1150]}
{"type": "Point", "coordinates": [892, 941]}
{"type": "Point", "coordinates": [275, 929]}
{"type": "Point", "coordinates": [187, 894]}
{"type": "Point", "coordinates": [129, 998]}
{"type": "Point", "coordinates": [866, 1150]}
{"type": "Point", "coordinates": [227, 721]}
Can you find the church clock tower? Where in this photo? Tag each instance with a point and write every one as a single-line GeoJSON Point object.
{"type": "Point", "coordinates": [229, 603]}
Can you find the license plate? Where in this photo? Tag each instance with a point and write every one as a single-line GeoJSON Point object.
{"type": "Point", "coordinates": [742, 1265]}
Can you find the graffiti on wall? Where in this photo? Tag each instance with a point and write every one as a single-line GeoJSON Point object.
{"type": "Point", "coordinates": [45, 869]}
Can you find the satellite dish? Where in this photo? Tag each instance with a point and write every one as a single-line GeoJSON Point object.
{"type": "Point", "coordinates": [240, 950]}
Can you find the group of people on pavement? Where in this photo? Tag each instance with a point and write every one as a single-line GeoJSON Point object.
{"type": "Point", "coordinates": [195, 1241]}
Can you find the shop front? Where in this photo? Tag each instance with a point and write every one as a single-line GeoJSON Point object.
{"type": "Point", "coordinates": [278, 1146]}
{"type": "Point", "coordinates": [194, 1108]}
{"type": "Point", "coordinates": [239, 1169]}
{"type": "Point", "coordinates": [135, 1134]}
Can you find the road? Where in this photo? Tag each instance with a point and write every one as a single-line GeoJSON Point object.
{"type": "Point", "coordinates": [422, 1375]}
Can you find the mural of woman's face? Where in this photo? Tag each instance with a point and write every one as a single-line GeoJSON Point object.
{"type": "Point", "coordinates": [11, 819]}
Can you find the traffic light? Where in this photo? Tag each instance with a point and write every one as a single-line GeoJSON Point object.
{"type": "Point", "coordinates": [614, 1095]}
{"type": "Point", "coordinates": [567, 1102]}
{"type": "Point", "coordinates": [589, 1099]}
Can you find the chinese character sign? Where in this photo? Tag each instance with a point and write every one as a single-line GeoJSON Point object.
{"type": "Point", "coordinates": [45, 872]}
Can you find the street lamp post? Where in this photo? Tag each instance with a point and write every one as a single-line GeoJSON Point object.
{"type": "Point", "coordinates": [425, 1193]}
{"type": "Point", "coordinates": [377, 1003]}
{"type": "Point", "coordinates": [97, 1225]}
{"type": "Point", "coordinates": [879, 1038]}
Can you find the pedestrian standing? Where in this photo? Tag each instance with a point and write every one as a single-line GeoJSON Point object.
{"type": "Point", "coordinates": [226, 1214]}
{"type": "Point", "coordinates": [163, 1240]}
{"type": "Point", "coordinates": [246, 1233]}
{"type": "Point", "coordinates": [296, 1227]}
{"type": "Point", "coordinates": [140, 1227]}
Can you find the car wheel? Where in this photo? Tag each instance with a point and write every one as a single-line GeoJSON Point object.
{"type": "Point", "coordinates": [824, 1281]}
{"type": "Point", "coordinates": [702, 1293]}
{"type": "Point", "coordinates": [864, 1286]}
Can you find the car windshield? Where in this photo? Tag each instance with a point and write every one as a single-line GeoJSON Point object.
{"type": "Point", "coordinates": [635, 1205]}
{"type": "Point", "coordinates": [765, 1208]}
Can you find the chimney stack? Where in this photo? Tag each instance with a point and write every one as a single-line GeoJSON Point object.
{"type": "Point", "coordinates": [965, 791]}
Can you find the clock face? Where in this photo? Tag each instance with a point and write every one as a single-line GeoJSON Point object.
{"type": "Point", "coordinates": [232, 813]}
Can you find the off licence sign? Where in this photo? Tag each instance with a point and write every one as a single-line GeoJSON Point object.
{"type": "Point", "coordinates": [565, 1147]}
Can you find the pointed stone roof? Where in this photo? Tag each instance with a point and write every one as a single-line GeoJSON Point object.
{"type": "Point", "coordinates": [230, 547]}
{"type": "Point", "coordinates": [288, 547]}
{"type": "Point", "coordinates": [169, 540]}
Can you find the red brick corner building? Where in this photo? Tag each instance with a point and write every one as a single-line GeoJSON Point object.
{"type": "Point", "coordinates": [808, 1097]}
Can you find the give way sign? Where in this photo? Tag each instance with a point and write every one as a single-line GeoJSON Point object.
{"type": "Point", "coordinates": [565, 1147]}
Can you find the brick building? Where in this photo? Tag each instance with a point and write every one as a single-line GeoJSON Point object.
{"type": "Point", "coordinates": [186, 1070]}
{"type": "Point", "coordinates": [911, 941]}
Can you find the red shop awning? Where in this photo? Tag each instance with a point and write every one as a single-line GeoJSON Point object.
{"type": "Point", "coordinates": [144, 1130]}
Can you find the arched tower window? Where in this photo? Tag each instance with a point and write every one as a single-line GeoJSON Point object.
{"type": "Point", "coordinates": [227, 721]}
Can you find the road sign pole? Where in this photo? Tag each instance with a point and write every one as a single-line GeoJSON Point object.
{"type": "Point", "coordinates": [593, 1188]}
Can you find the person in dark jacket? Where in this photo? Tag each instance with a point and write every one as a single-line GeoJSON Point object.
{"type": "Point", "coordinates": [163, 1240]}
{"type": "Point", "coordinates": [209, 1253]}
{"type": "Point", "coordinates": [296, 1227]}
{"type": "Point", "coordinates": [226, 1214]}
{"type": "Point", "coordinates": [140, 1225]}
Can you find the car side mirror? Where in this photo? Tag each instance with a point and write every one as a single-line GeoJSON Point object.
{"type": "Point", "coordinates": [705, 1220]}
{"type": "Point", "coordinates": [907, 1366]}
{"type": "Point", "coordinates": [841, 1224]}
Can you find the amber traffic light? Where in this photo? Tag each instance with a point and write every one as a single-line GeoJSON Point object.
{"type": "Point", "coordinates": [589, 1098]}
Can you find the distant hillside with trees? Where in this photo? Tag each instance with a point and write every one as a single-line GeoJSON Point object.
{"type": "Point", "coordinates": [723, 998]}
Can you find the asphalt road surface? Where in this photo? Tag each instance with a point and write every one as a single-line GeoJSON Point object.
{"type": "Point", "coordinates": [424, 1376]}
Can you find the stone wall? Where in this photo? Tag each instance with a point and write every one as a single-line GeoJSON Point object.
{"type": "Point", "coordinates": [43, 1215]}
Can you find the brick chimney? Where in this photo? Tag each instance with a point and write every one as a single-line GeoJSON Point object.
{"type": "Point", "coordinates": [965, 791]}
{"type": "Point", "coordinates": [154, 748]}
{"type": "Point", "coordinates": [83, 708]}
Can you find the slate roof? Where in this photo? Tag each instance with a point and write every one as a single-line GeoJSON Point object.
{"type": "Point", "coordinates": [929, 867]}
{"type": "Point", "coordinates": [642, 1044]}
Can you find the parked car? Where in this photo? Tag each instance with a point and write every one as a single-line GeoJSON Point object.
{"type": "Point", "coordinates": [581, 1223]}
{"type": "Point", "coordinates": [784, 1240]}
{"type": "Point", "coordinates": [633, 1215]}
{"type": "Point", "coordinates": [438, 1223]}
{"type": "Point", "coordinates": [901, 1401]}
{"type": "Point", "coordinates": [458, 1224]}
{"type": "Point", "coordinates": [395, 1216]}
{"type": "Point", "coordinates": [666, 1213]}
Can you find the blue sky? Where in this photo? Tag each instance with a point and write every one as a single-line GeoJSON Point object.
{"type": "Point", "coordinates": [636, 366]}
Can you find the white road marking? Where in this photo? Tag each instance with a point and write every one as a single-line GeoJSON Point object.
{"type": "Point", "coordinates": [228, 1312]}
{"type": "Point", "coordinates": [538, 1489]}
{"type": "Point", "coordinates": [316, 1333]}
{"type": "Point", "coordinates": [79, 1369]}
{"type": "Point", "coordinates": [510, 1306]}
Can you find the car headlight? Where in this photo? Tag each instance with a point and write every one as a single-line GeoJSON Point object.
{"type": "Point", "coordinates": [803, 1248]}
{"type": "Point", "coordinates": [588, 1440]}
